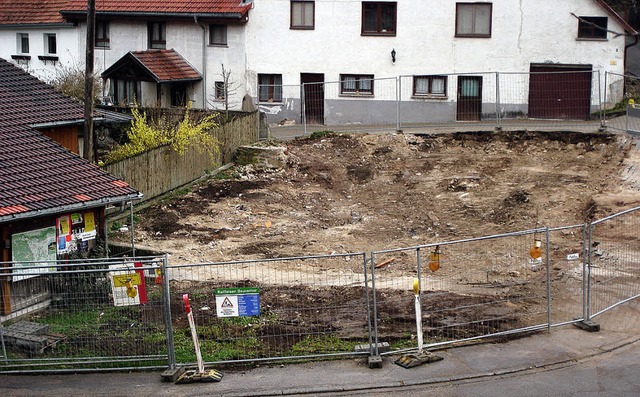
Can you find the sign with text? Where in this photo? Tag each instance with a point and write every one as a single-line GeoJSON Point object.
{"type": "Point", "coordinates": [237, 302]}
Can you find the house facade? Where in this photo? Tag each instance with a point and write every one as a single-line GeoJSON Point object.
{"type": "Point", "coordinates": [440, 58]}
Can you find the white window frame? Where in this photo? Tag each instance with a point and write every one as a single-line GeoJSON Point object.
{"type": "Point", "coordinates": [47, 44]}
{"type": "Point", "coordinates": [20, 43]}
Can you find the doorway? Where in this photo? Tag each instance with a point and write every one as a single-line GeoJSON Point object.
{"type": "Point", "coordinates": [469, 98]}
{"type": "Point", "coordinates": [313, 86]}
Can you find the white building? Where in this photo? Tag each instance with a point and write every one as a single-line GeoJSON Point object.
{"type": "Point", "coordinates": [439, 58]}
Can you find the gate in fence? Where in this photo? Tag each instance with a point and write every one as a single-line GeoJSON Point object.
{"type": "Point", "coordinates": [127, 313]}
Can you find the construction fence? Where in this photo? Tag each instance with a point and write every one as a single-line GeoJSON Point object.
{"type": "Point", "coordinates": [128, 313]}
{"type": "Point", "coordinates": [546, 98]}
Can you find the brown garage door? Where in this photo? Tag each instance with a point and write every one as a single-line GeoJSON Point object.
{"type": "Point", "coordinates": [560, 92]}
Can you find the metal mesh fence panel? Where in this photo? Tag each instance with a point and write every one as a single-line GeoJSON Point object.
{"type": "Point", "coordinates": [545, 101]}
{"type": "Point", "coordinates": [470, 289]}
{"type": "Point", "coordinates": [567, 254]}
{"type": "Point", "coordinates": [359, 104]}
{"type": "Point", "coordinates": [84, 314]}
{"type": "Point", "coordinates": [614, 261]}
{"type": "Point", "coordinates": [308, 307]}
{"type": "Point", "coordinates": [435, 102]}
{"type": "Point", "coordinates": [621, 96]}
{"type": "Point", "coordinates": [550, 101]}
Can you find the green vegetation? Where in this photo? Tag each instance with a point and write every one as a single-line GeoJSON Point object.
{"type": "Point", "coordinates": [321, 134]}
{"type": "Point", "coordinates": [146, 134]}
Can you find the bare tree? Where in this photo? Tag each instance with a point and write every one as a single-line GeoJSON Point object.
{"type": "Point", "coordinates": [224, 90]}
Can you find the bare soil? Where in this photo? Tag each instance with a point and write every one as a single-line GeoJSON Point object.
{"type": "Point", "coordinates": [361, 193]}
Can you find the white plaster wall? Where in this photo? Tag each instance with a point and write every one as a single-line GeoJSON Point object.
{"type": "Point", "coordinates": [232, 56]}
{"type": "Point", "coordinates": [66, 43]}
{"type": "Point", "coordinates": [523, 32]}
{"type": "Point", "coordinates": [131, 35]}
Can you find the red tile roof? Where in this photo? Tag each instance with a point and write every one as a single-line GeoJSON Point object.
{"type": "Point", "coordinates": [166, 65]}
{"type": "Point", "coordinates": [18, 12]}
{"type": "Point", "coordinates": [37, 175]}
{"type": "Point", "coordinates": [174, 7]}
{"type": "Point", "coordinates": [158, 65]}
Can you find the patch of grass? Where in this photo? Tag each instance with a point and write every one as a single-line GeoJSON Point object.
{"type": "Point", "coordinates": [322, 344]}
{"type": "Point", "coordinates": [229, 174]}
{"type": "Point", "coordinates": [322, 134]}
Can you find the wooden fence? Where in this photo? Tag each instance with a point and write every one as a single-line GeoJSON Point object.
{"type": "Point", "coordinates": [161, 170]}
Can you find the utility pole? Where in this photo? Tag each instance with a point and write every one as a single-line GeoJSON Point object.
{"type": "Point", "coordinates": [88, 82]}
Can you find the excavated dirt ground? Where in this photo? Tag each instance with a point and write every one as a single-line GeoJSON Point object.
{"type": "Point", "coordinates": [353, 193]}
{"type": "Point", "coordinates": [363, 193]}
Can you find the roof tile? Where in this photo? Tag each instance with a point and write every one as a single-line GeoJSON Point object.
{"type": "Point", "coordinates": [163, 7]}
{"type": "Point", "coordinates": [36, 173]}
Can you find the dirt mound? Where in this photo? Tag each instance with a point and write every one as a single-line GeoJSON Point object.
{"type": "Point", "coordinates": [353, 193]}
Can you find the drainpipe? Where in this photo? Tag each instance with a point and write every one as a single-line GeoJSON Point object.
{"type": "Point", "coordinates": [204, 62]}
{"type": "Point", "coordinates": [626, 47]}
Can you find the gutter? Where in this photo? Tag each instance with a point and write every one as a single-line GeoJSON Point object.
{"type": "Point", "coordinates": [204, 62]}
{"type": "Point", "coordinates": [11, 26]}
{"type": "Point", "coordinates": [69, 208]}
{"type": "Point", "coordinates": [60, 123]}
{"type": "Point", "coordinates": [626, 47]}
{"type": "Point", "coordinates": [229, 15]}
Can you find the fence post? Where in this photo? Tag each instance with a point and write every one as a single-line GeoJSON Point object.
{"type": "Point", "coordinates": [304, 109]}
{"type": "Point", "coordinates": [601, 110]}
{"type": "Point", "coordinates": [498, 125]}
{"type": "Point", "coordinates": [374, 352]}
{"type": "Point", "coordinates": [398, 99]}
{"type": "Point", "coordinates": [4, 350]}
{"type": "Point", "coordinates": [133, 239]}
{"type": "Point", "coordinates": [586, 322]}
{"type": "Point", "coordinates": [166, 309]}
{"type": "Point", "coordinates": [548, 260]}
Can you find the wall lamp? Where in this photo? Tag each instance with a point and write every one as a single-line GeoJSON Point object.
{"type": "Point", "coordinates": [393, 55]}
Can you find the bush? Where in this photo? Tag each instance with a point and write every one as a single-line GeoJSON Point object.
{"type": "Point", "coordinates": [145, 135]}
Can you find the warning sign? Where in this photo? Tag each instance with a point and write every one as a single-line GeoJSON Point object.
{"type": "Point", "coordinates": [236, 302]}
{"type": "Point", "coordinates": [127, 284]}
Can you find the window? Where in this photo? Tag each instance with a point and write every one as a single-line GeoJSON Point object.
{"type": "Point", "coordinates": [23, 43]}
{"type": "Point", "coordinates": [378, 18]}
{"type": "Point", "coordinates": [432, 86]}
{"type": "Point", "coordinates": [157, 35]}
{"type": "Point", "coordinates": [473, 19]}
{"type": "Point", "coordinates": [220, 91]}
{"type": "Point", "coordinates": [50, 43]}
{"type": "Point", "coordinates": [356, 84]}
{"type": "Point", "coordinates": [102, 34]}
{"type": "Point", "coordinates": [302, 14]}
{"type": "Point", "coordinates": [592, 27]}
{"type": "Point", "coordinates": [270, 87]}
{"type": "Point", "coordinates": [217, 34]}
{"type": "Point", "coordinates": [125, 92]}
